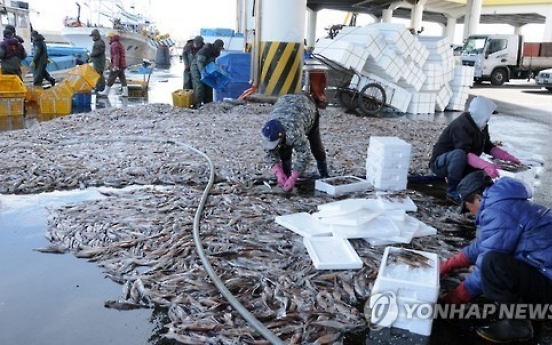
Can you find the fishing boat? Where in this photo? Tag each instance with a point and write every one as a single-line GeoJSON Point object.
{"type": "Point", "coordinates": [138, 34]}
{"type": "Point", "coordinates": [17, 13]}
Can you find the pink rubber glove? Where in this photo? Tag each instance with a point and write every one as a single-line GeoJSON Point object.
{"type": "Point", "coordinates": [280, 175]}
{"type": "Point", "coordinates": [460, 260]}
{"type": "Point", "coordinates": [290, 183]}
{"type": "Point", "coordinates": [499, 153]}
{"type": "Point", "coordinates": [479, 163]}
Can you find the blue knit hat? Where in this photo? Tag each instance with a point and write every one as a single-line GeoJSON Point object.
{"type": "Point", "coordinates": [271, 133]}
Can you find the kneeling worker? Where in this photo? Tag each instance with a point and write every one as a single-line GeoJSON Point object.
{"type": "Point", "coordinates": [293, 126]}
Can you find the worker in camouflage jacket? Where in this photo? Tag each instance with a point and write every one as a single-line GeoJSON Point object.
{"type": "Point", "coordinates": [293, 127]}
{"type": "Point", "coordinates": [207, 54]}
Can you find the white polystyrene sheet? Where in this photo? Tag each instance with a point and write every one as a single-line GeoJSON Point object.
{"type": "Point", "coordinates": [304, 224]}
{"type": "Point", "coordinates": [355, 218]}
{"type": "Point", "coordinates": [379, 227]}
{"type": "Point", "coordinates": [393, 203]}
{"type": "Point", "coordinates": [330, 253]}
{"type": "Point", "coordinates": [341, 207]}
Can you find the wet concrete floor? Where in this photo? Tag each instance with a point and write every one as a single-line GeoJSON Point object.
{"type": "Point", "coordinates": [58, 299]}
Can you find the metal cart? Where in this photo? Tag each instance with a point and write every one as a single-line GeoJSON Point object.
{"type": "Point", "coordinates": [369, 100]}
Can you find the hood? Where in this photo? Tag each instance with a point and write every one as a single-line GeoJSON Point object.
{"type": "Point", "coordinates": [506, 188]}
{"type": "Point", "coordinates": [115, 38]}
{"type": "Point", "coordinates": [481, 109]}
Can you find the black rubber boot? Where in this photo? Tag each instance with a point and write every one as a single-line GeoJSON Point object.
{"type": "Point", "coordinates": [322, 169]}
{"type": "Point", "coordinates": [507, 331]}
{"type": "Point", "coordinates": [451, 194]}
{"type": "Point", "coordinates": [286, 164]}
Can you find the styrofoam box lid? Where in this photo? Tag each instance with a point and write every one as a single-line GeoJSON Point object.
{"type": "Point", "coordinates": [427, 290]}
{"type": "Point", "coordinates": [355, 218]}
{"type": "Point", "coordinates": [392, 203]}
{"type": "Point", "coordinates": [345, 206]}
{"type": "Point", "coordinates": [331, 253]}
{"type": "Point", "coordinates": [304, 224]}
{"type": "Point", "coordinates": [379, 227]}
{"type": "Point", "coordinates": [388, 141]}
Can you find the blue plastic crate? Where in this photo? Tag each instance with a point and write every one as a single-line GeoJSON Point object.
{"type": "Point", "coordinates": [214, 76]}
{"type": "Point", "coordinates": [82, 99]}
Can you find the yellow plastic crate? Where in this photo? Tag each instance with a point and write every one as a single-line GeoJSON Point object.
{"type": "Point", "coordinates": [11, 122]}
{"type": "Point", "coordinates": [12, 106]}
{"type": "Point", "coordinates": [61, 90]}
{"type": "Point", "coordinates": [55, 105]}
{"type": "Point", "coordinates": [184, 98]}
{"type": "Point", "coordinates": [33, 93]}
{"type": "Point", "coordinates": [11, 86]}
{"type": "Point", "coordinates": [45, 117]}
{"type": "Point", "coordinates": [83, 78]}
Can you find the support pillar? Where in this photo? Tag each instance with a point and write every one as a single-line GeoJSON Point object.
{"type": "Point", "coordinates": [547, 34]}
{"type": "Point", "coordinates": [281, 50]}
{"type": "Point", "coordinates": [472, 17]}
{"type": "Point", "coordinates": [417, 16]}
{"type": "Point", "coordinates": [387, 16]}
{"type": "Point", "coordinates": [450, 28]}
{"type": "Point", "coordinates": [312, 18]}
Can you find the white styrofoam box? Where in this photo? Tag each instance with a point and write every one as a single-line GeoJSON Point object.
{"type": "Point", "coordinates": [528, 176]}
{"type": "Point", "coordinates": [443, 98]}
{"type": "Point", "coordinates": [342, 207]}
{"type": "Point", "coordinates": [330, 253]}
{"type": "Point", "coordinates": [436, 44]}
{"type": "Point", "coordinates": [424, 290]}
{"type": "Point", "coordinates": [389, 181]}
{"type": "Point", "coordinates": [330, 185]}
{"type": "Point", "coordinates": [304, 224]}
{"type": "Point", "coordinates": [379, 227]}
{"type": "Point", "coordinates": [389, 148]}
{"type": "Point", "coordinates": [414, 324]}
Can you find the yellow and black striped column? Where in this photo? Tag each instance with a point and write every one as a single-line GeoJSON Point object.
{"type": "Point", "coordinates": [282, 45]}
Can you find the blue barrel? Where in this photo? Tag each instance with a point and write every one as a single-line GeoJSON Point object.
{"type": "Point", "coordinates": [163, 57]}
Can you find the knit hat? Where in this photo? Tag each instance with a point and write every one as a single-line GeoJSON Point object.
{"type": "Point", "coordinates": [271, 134]}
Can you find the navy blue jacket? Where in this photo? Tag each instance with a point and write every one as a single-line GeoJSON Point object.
{"type": "Point", "coordinates": [508, 222]}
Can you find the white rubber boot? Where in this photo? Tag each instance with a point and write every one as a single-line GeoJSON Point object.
{"type": "Point", "coordinates": [105, 92]}
{"type": "Point", "coordinates": [125, 91]}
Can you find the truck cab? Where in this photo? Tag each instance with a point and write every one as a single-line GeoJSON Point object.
{"type": "Point", "coordinates": [494, 57]}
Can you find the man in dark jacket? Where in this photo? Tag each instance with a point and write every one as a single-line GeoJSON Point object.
{"type": "Point", "coordinates": [293, 126]}
{"type": "Point", "coordinates": [12, 53]}
{"type": "Point", "coordinates": [40, 60]}
{"type": "Point", "coordinates": [97, 57]}
{"type": "Point", "coordinates": [189, 57]}
{"type": "Point", "coordinates": [512, 252]}
{"type": "Point", "coordinates": [460, 145]}
{"type": "Point", "coordinates": [207, 54]}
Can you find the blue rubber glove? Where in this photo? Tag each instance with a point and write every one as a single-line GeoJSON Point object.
{"type": "Point", "coordinates": [280, 175]}
{"type": "Point", "coordinates": [290, 183]}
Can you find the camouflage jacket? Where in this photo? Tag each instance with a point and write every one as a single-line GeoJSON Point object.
{"type": "Point", "coordinates": [296, 113]}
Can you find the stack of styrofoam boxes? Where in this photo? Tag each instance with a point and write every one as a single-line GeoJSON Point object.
{"type": "Point", "coordinates": [403, 292]}
{"type": "Point", "coordinates": [463, 80]}
{"type": "Point", "coordinates": [387, 163]}
{"type": "Point", "coordinates": [390, 55]}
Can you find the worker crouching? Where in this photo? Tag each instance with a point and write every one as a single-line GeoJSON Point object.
{"type": "Point", "coordinates": [293, 127]}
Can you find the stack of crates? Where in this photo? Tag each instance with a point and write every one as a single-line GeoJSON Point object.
{"type": "Point", "coordinates": [55, 101]}
{"type": "Point", "coordinates": [387, 163]}
{"type": "Point", "coordinates": [184, 98]}
{"type": "Point", "coordinates": [12, 102]}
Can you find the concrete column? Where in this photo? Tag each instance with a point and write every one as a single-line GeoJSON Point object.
{"type": "Point", "coordinates": [281, 46]}
{"type": "Point", "coordinates": [312, 18]}
{"type": "Point", "coordinates": [547, 34]}
{"type": "Point", "coordinates": [386, 16]}
{"type": "Point", "coordinates": [472, 16]}
{"type": "Point", "coordinates": [517, 29]}
{"type": "Point", "coordinates": [450, 28]}
{"type": "Point", "coordinates": [416, 15]}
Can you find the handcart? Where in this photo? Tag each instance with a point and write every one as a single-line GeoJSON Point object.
{"type": "Point", "coordinates": [369, 100]}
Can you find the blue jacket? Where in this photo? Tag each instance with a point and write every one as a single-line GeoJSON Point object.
{"type": "Point", "coordinates": [509, 222]}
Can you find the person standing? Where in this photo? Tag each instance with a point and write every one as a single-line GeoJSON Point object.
{"type": "Point", "coordinates": [189, 57]}
{"type": "Point", "coordinates": [12, 53]}
{"type": "Point", "coordinates": [293, 127]}
{"type": "Point", "coordinates": [40, 60]}
{"type": "Point", "coordinates": [118, 66]}
{"type": "Point", "coordinates": [97, 57]}
{"type": "Point", "coordinates": [512, 253]}
{"type": "Point", "coordinates": [459, 147]}
{"type": "Point", "coordinates": [205, 56]}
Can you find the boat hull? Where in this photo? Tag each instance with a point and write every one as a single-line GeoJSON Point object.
{"type": "Point", "coordinates": [138, 47]}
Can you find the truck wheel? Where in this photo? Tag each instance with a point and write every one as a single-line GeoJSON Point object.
{"type": "Point", "coordinates": [498, 77]}
{"type": "Point", "coordinates": [549, 89]}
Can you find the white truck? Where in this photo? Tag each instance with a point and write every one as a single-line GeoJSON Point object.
{"type": "Point", "coordinates": [500, 58]}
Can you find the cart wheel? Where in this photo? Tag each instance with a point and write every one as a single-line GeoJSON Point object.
{"type": "Point", "coordinates": [371, 99]}
{"type": "Point", "coordinates": [347, 98]}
